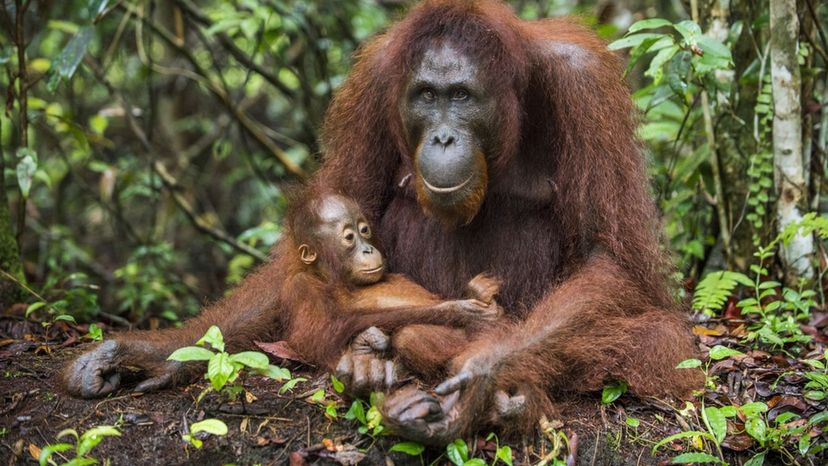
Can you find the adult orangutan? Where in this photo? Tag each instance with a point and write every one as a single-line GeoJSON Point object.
{"type": "Point", "coordinates": [478, 142]}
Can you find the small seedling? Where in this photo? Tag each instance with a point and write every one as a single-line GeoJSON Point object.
{"type": "Point", "coordinates": [368, 416]}
{"type": "Point", "coordinates": [84, 443]}
{"type": "Point", "coordinates": [224, 368]}
{"type": "Point", "coordinates": [210, 426]}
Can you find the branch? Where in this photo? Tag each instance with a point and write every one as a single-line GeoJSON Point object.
{"type": "Point", "coordinates": [250, 125]}
{"type": "Point", "coordinates": [167, 179]}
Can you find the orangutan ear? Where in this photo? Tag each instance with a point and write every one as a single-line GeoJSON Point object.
{"type": "Point", "coordinates": [306, 254]}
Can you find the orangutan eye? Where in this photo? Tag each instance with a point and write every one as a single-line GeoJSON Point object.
{"type": "Point", "coordinates": [365, 231]}
{"type": "Point", "coordinates": [428, 94]}
{"type": "Point", "coordinates": [460, 94]}
{"type": "Point", "coordinates": [348, 238]}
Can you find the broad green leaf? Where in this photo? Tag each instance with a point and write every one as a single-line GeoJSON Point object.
{"type": "Point", "coordinates": [721, 352]}
{"type": "Point", "coordinates": [757, 460]}
{"type": "Point", "coordinates": [252, 359]}
{"type": "Point", "coordinates": [633, 40]}
{"type": "Point", "coordinates": [613, 391]}
{"type": "Point", "coordinates": [458, 452]}
{"type": "Point", "coordinates": [689, 31]}
{"type": "Point", "coordinates": [337, 384]}
{"type": "Point", "coordinates": [689, 364]}
{"type": "Point", "coordinates": [211, 426]}
{"type": "Point", "coordinates": [651, 23]}
{"type": "Point", "coordinates": [754, 408]}
{"type": "Point", "coordinates": [633, 422]}
{"type": "Point", "coordinates": [504, 454]}
{"type": "Point", "coordinates": [409, 448]}
{"type": "Point", "coordinates": [214, 338]}
{"type": "Point", "coordinates": [276, 373]}
{"type": "Point", "coordinates": [728, 411]}
{"type": "Point", "coordinates": [756, 428]}
{"type": "Point", "coordinates": [475, 462]}
{"type": "Point", "coordinates": [818, 418]}
{"type": "Point", "coordinates": [33, 307]}
{"type": "Point", "coordinates": [656, 69]}
{"type": "Point", "coordinates": [356, 412]}
{"type": "Point", "coordinates": [695, 457]}
{"type": "Point", "coordinates": [66, 317]}
{"type": "Point", "coordinates": [717, 423]}
{"type": "Point", "coordinates": [191, 353]}
{"type": "Point", "coordinates": [219, 370]}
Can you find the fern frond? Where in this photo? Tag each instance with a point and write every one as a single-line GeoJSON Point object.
{"type": "Point", "coordinates": [714, 289]}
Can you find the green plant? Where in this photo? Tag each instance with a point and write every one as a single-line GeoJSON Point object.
{"type": "Point", "coordinates": [613, 391]}
{"type": "Point", "coordinates": [367, 415]}
{"type": "Point", "coordinates": [224, 368]}
{"type": "Point", "coordinates": [95, 333]}
{"type": "Point", "coordinates": [458, 453]}
{"type": "Point", "coordinates": [209, 426]}
{"type": "Point", "coordinates": [84, 443]}
{"type": "Point", "coordinates": [559, 444]}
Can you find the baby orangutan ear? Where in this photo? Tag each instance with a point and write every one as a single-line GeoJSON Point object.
{"type": "Point", "coordinates": [306, 254]}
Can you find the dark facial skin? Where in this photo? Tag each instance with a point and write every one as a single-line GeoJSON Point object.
{"type": "Point", "coordinates": [449, 115]}
{"type": "Point", "coordinates": [343, 228]}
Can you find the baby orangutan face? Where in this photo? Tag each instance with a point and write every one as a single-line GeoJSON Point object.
{"type": "Point", "coordinates": [340, 243]}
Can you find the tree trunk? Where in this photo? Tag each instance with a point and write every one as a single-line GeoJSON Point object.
{"type": "Point", "coordinates": [789, 172]}
{"type": "Point", "coordinates": [10, 292]}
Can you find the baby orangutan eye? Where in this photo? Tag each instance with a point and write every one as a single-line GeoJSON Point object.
{"type": "Point", "coordinates": [365, 231]}
{"type": "Point", "coordinates": [348, 238]}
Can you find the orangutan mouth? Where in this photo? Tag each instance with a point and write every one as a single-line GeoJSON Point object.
{"type": "Point", "coordinates": [448, 190]}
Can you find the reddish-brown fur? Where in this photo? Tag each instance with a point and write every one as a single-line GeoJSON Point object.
{"type": "Point", "coordinates": [328, 312]}
{"type": "Point", "coordinates": [567, 221]}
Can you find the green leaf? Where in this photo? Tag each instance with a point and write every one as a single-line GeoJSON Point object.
{"type": "Point", "coordinates": [721, 352]}
{"type": "Point", "coordinates": [756, 428]}
{"type": "Point", "coordinates": [475, 462]}
{"type": "Point", "coordinates": [458, 452]}
{"type": "Point", "coordinates": [252, 359]}
{"type": "Point", "coordinates": [689, 31]}
{"type": "Point", "coordinates": [613, 391]}
{"type": "Point", "coordinates": [214, 338]}
{"type": "Point", "coordinates": [651, 23]}
{"type": "Point", "coordinates": [276, 373]}
{"type": "Point", "coordinates": [211, 426]}
{"type": "Point", "coordinates": [717, 423]}
{"type": "Point", "coordinates": [191, 353]}
{"type": "Point", "coordinates": [504, 454]}
{"type": "Point", "coordinates": [656, 70]}
{"type": "Point", "coordinates": [409, 448]}
{"type": "Point", "coordinates": [689, 364]}
{"type": "Point", "coordinates": [70, 57]}
{"type": "Point", "coordinates": [633, 40]}
{"type": "Point", "coordinates": [728, 411]}
{"type": "Point", "coordinates": [219, 370]}
{"type": "Point", "coordinates": [633, 422]}
{"type": "Point", "coordinates": [65, 317]}
{"type": "Point", "coordinates": [356, 412]}
{"type": "Point", "coordinates": [51, 449]}
{"type": "Point", "coordinates": [714, 289]}
{"type": "Point", "coordinates": [95, 333]}
{"type": "Point", "coordinates": [288, 386]}
{"type": "Point", "coordinates": [33, 307]}
{"type": "Point", "coordinates": [337, 384]}
{"type": "Point", "coordinates": [818, 418]}
{"type": "Point", "coordinates": [754, 408]}
{"type": "Point", "coordinates": [26, 168]}
{"type": "Point", "coordinates": [92, 437]}
{"type": "Point", "coordinates": [695, 457]}
{"type": "Point", "coordinates": [757, 460]}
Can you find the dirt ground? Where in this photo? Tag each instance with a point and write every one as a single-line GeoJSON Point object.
{"type": "Point", "coordinates": [269, 428]}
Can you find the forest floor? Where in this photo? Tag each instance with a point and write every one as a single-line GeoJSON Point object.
{"type": "Point", "coordinates": [295, 428]}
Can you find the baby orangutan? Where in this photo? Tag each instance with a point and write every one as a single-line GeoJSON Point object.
{"type": "Point", "coordinates": [339, 288]}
